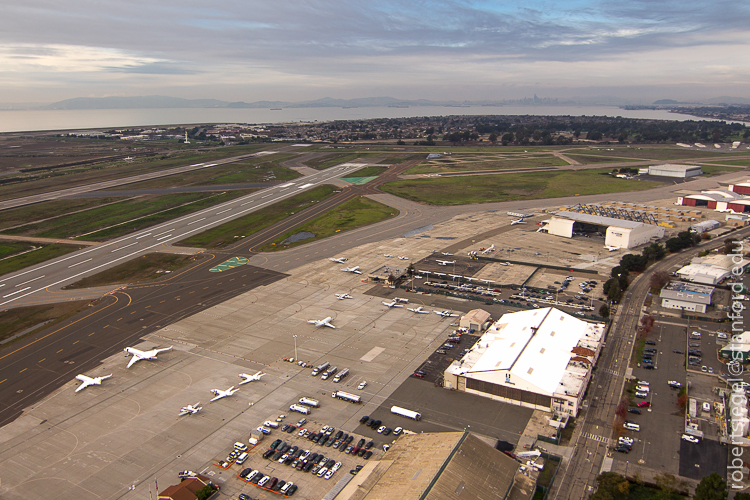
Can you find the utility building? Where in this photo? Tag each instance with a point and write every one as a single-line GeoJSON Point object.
{"type": "Point", "coordinates": [686, 296]}
{"type": "Point", "coordinates": [711, 270]}
{"type": "Point", "coordinates": [474, 320]}
{"type": "Point", "coordinates": [673, 170]}
{"type": "Point", "coordinates": [541, 359]}
{"type": "Point", "coordinates": [618, 233]}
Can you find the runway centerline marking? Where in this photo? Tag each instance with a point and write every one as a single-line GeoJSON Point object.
{"type": "Point", "coordinates": [223, 211]}
{"type": "Point", "coordinates": [79, 263]}
{"type": "Point", "coordinates": [167, 236]}
{"type": "Point", "coordinates": [143, 236]}
{"type": "Point", "coordinates": [126, 246]}
{"type": "Point", "coordinates": [17, 291]}
{"type": "Point", "coordinates": [168, 230]}
{"type": "Point", "coordinates": [189, 223]}
{"type": "Point", "coordinates": [40, 277]}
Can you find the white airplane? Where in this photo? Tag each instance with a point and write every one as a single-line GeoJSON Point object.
{"type": "Point", "coordinates": [354, 270]}
{"type": "Point", "coordinates": [403, 301]}
{"type": "Point", "coordinates": [394, 303]}
{"type": "Point", "coordinates": [223, 394]}
{"type": "Point", "coordinates": [446, 314]}
{"type": "Point", "coordinates": [489, 249]}
{"type": "Point", "coordinates": [340, 260]}
{"type": "Point", "coordinates": [87, 381]}
{"type": "Point", "coordinates": [250, 378]}
{"type": "Point", "coordinates": [446, 253]}
{"type": "Point", "coordinates": [387, 255]}
{"type": "Point", "coordinates": [139, 355]}
{"type": "Point", "coordinates": [322, 322]}
{"type": "Point", "coordinates": [439, 275]}
{"type": "Point", "coordinates": [401, 257]}
{"type": "Point", "coordinates": [418, 310]}
{"type": "Point", "coordinates": [190, 409]}
{"type": "Point", "coordinates": [506, 264]}
{"type": "Point", "coordinates": [611, 248]}
{"type": "Point", "coordinates": [342, 296]}
{"type": "Point", "coordinates": [517, 221]}
{"type": "Point", "coordinates": [445, 262]}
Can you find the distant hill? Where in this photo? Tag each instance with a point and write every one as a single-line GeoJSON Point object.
{"type": "Point", "coordinates": [728, 100]}
{"type": "Point", "coordinates": [150, 101]}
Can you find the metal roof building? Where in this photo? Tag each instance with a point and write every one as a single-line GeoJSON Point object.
{"type": "Point", "coordinates": [539, 359]}
{"type": "Point", "coordinates": [620, 233]}
{"type": "Point", "coordinates": [673, 170]}
{"type": "Point", "coordinates": [686, 296]}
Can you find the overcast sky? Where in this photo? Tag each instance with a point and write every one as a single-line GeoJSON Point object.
{"type": "Point", "coordinates": [443, 49]}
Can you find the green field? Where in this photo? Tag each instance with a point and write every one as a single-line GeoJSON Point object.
{"type": "Point", "coordinates": [32, 318]}
{"type": "Point", "coordinates": [49, 209]}
{"type": "Point", "coordinates": [232, 231]}
{"type": "Point", "coordinates": [144, 268]}
{"type": "Point", "coordinates": [739, 163]}
{"type": "Point", "coordinates": [333, 159]}
{"type": "Point", "coordinates": [43, 253]}
{"type": "Point", "coordinates": [587, 159]}
{"type": "Point", "coordinates": [456, 163]}
{"type": "Point", "coordinates": [109, 221]}
{"type": "Point", "coordinates": [368, 172]}
{"type": "Point", "coordinates": [351, 214]}
{"type": "Point", "coordinates": [8, 248]}
{"type": "Point", "coordinates": [718, 169]}
{"type": "Point", "coordinates": [509, 187]}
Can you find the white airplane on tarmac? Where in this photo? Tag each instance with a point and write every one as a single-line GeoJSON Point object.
{"type": "Point", "coordinates": [446, 253]}
{"type": "Point", "coordinates": [223, 394]}
{"type": "Point", "coordinates": [387, 255]}
{"type": "Point", "coordinates": [354, 270]}
{"type": "Point", "coordinates": [322, 322]}
{"type": "Point", "coordinates": [342, 296]}
{"type": "Point", "coordinates": [340, 260]}
{"type": "Point", "coordinates": [139, 355]}
{"type": "Point", "coordinates": [489, 249]}
{"type": "Point", "coordinates": [418, 310]}
{"type": "Point", "coordinates": [87, 381]}
{"type": "Point", "coordinates": [611, 248]}
{"type": "Point", "coordinates": [517, 221]}
{"type": "Point", "coordinates": [394, 303]}
{"type": "Point", "coordinates": [506, 264]}
{"type": "Point", "coordinates": [250, 378]}
{"type": "Point", "coordinates": [445, 262]}
{"type": "Point", "coordinates": [190, 409]}
{"type": "Point", "coordinates": [446, 314]}
{"type": "Point", "coordinates": [401, 257]}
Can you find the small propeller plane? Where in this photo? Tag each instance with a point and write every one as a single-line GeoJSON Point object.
{"type": "Point", "coordinates": [418, 310]}
{"type": "Point", "coordinates": [354, 270]}
{"type": "Point", "coordinates": [87, 381]}
{"type": "Point", "coordinates": [517, 221]}
{"type": "Point", "coordinates": [223, 394]}
{"type": "Point", "coordinates": [401, 257]}
{"type": "Point", "coordinates": [139, 355]}
{"type": "Point", "coordinates": [611, 248]}
{"type": "Point", "coordinates": [446, 314]}
{"type": "Point", "coordinates": [190, 409]}
{"type": "Point", "coordinates": [506, 264]}
{"type": "Point", "coordinates": [446, 253]}
{"type": "Point", "coordinates": [339, 260]}
{"type": "Point", "coordinates": [322, 322]}
{"type": "Point", "coordinates": [489, 249]}
{"type": "Point", "coordinates": [250, 378]}
{"type": "Point", "coordinates": [445, 262]}
{"type": "Point", "coordinates": [387, 255]}
{"type": "Point", "coordinates": [393, 303]}
{"type": "Point", "coordinates": [342, 296]}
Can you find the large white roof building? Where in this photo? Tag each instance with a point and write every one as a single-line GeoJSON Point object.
{"type": "Point", "coordinates": [540, 359]}
{"type": "Point", "coordinates": [619, 233]}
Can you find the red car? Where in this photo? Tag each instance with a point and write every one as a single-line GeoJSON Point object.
{"type": "Point", "coordinates": [644, 404]}
{"type": "Point", "coordinates": [419, 374]}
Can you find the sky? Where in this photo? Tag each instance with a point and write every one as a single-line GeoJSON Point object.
{"type": "Point", "coordinates": [251, 50]}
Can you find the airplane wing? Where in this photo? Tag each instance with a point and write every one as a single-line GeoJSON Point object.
{"type": "Point", "coordinates": [86, 382]}
{"type": "Point", "coordinates": [219, 395]}
{"type": "Point", "coordinates": [133, 360]}
{"type": "Point", "coordinates": [329, 325]}
{"type": "Point", "coordinates": [157, 351]}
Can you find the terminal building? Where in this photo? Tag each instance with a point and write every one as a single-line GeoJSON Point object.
{"type": "Point", "coordinates": [540, 359]}
{"type": "Point", "coordinates": [618, 233]}
{"type": "Point", "coordinates": [686, 296]}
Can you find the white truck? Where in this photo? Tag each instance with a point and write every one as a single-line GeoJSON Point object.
{"type": "Point", "coordinates": [406, 413]}
{"type": "Point", "coordinates": [341, 375]}
{"type": "Point", "coordinates": [329, 373]}
{"type": "Point", "coordinates": [309, 402]}
{"type": "Point", "coordinates": [352, 398]}
{"type": "Point", "coordinates": [300, 409]}
{"type": "Point", "coordinates": [320, 368]}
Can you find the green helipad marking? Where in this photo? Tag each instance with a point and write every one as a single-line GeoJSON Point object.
{"type": "Point", "coordinates": [359, 180]}
{"type": "Point", "coordinates": [229, 264]}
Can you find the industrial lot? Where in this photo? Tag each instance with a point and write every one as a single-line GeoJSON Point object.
{"type": "Point", "coordinates": [466, 356]}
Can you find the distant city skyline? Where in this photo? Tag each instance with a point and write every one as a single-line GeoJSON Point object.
{"type": "Point", "coordinates": [249, 50]}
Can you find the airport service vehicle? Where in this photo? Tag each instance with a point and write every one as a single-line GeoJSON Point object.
{"type": "Point", "coordinates": [341, 375]}
{"type": "Point", "coordinates": [631, 427]}
{"type": "Point", "coordinates": [690, 439]}
{"type": "Point", "coordinates": [352, 398]}
{"type": "Point", "coordinates": [329, 373]}
{"type": "Point", "coordinates": [301, 422]}
{"type": "Point", "coordinates": [301, 409]}
{"type": "Point", "coordinates": [272, 425]}
{"type": "Point", "coordinates": [706, 406]}
{"type": "Point", "coordinates": [241, 459]}
{"type": "Point", "coordinates": [309, 402]}
{"type": "Point", "coordinates": [362, 385]}
{"type": "Point", "coordinates": [320, 368]}
{"type": "Point", "coordinates": [406, 413]}
{"type": "Point", "coordinates": [240, 446]}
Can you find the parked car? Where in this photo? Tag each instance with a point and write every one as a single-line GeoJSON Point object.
{"type": "Point", "coordinates": [637, 411]}
{"type": "Point", "coordinates": [644, 404]}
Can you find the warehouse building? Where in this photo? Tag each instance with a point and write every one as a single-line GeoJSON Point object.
{"type": "Point", "coordinates": [474, 320]}
{"type": "Point", "coordinates": [540, 359]}
{"type": "Point", "coordinates": [686, 296]}
{"type": "Point", "coordinates": [717, 199]}
{"type": "Point", "coordinates": [740, 187]}
{"type": "Point", "coordinates": [705, 226]}
{"type": "Point", "coordinates": [618, 233]}
{"type": "Point", "coordinates": [711, 270]}
{"type": "Point", "coordinates": [674, 170]}
{"type": "Point", "coordinates": [738, 348]}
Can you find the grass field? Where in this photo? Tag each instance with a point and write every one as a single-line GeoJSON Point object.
{"type": "Point", "coordinates": [587, 159]}
{"type": "Point", "coordinates": [645, 152]}
{"type": "Point", "coordinates": [336, 159]}
{"type": "Point", "coordinates": [739, 163]}
{"type": "Point", "coordinates": [145, 268]}
{"type": "Point", "coordinates": [509, 187]}
{"type": "Point", "coordinates": [718, 169]}
{"type": "Point", "coordinates": [8, 248]}
{"type": "Point", "coordinates": [141, 212]}
{"type": "Point", "coordinates": [49, 209]}
{"type": "Point", "coordinates": [352, 214]}
{"type": "Point", "coordinates": [368, 172]}
{"type": "Point", "coordinates": [14, 321]}
{"type": "Point", "coordinates": [230, 232]}
{"type": "Point", "coordinates": [458, 163]}
{"type": "Point", "coordinates": [45, 252]}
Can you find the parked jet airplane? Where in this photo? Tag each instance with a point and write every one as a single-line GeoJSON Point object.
{"type": "Point", "coordinates": [394, 303]}
{"type": "Point", "coordinates": [445, 262]}
{"type": "Point", "coordinates": [446, 253]}
{"type": "Point", "coordinates": [190, 409]}
{"type": "Point", "coordinates": [387, 255]}
{"type": "Point", "coordinates": [139, 355]}
{"type": "Point", "coordinates": [250, 378]}
{"type": "Point", "coordinates": [418, 310]}
{"type": "Point", "coordinates": [340, 260]}
{"type": "Point", "coordinates": [611, 248]}
{"type": "Point", "coordinates": [517, 221]}
{"type": "Point", "coordinates": [322, 322]}
{"type": "Point", "coordinates": [223, 394]}
{"type": "Point", "coordinates": [506, 264]}
{"type": "Point", "coordinates": [342, 296]}
{"type": "Point", "coordinates": [446, 314]}
{"type": "Point", "coordinates": [489, 249]}
{"type": "Point", "coordinates": [354, 270]}
{"type": "Point", "coordinates": [87, 381]}
{"type": "Point", "coordinates": [401, 257]}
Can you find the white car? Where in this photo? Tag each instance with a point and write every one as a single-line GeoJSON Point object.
{"type": "Point", "coordinates": [322, 472]}
{"type": "Point", "coordinates": [336, 466]}
{"type": "Point", "coordinates": [240, 446]}
{"type": "Point", "coordinates": [642, 395]}
{"type": "Point", "coordinates": [690, 439]}
{"type": "Point", "coordinates": [264, 480]}
{"type": "Point", "coordinates": [381, 429]}
{"type": "Point", "coordinates": [626, 440]}
{"type": "Point", "coordinates": [264, 430]}
{"type": "Point", "coordinates": [362, 385]}
{"type": "Point", "coordinates": [642, 388]}
{"type": "Point", "coordinates": [329, 474]}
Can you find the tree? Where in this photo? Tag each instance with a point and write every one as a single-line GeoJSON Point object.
{"type": "Point", "coordinates": [654, 252]}
{"type": "Point", "coordinates": [604, 311]}
{"type": "Point", "coordinates": [668, 484]}
{"type": "Point", "coordinates": [613, 290]}
{"type": "Point", "coordinates": [611, 486]}
{"type": "Point", "coordinates": [658, 280]}
{"type": "Point", "coordinates": [711, 487]}
{"type": "Point", "coordinates": [633, 262]}
{"type": "Point", "coordinates": [742, 496]}
{"type": "Point", "coordinates": [493, 138]}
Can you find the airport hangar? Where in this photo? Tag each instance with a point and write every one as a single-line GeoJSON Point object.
{"type": "Point", "coordinates": [541, 359]}
{"type": "Point", "coordinates": [619, 233]}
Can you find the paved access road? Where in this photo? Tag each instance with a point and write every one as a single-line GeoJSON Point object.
{"type": "Point", "coordinates": [16, 287]}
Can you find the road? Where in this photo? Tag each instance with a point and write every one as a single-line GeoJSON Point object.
{"type": "Point", "coordinates": [578, 480]}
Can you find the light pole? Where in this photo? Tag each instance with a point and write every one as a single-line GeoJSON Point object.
{"type": "Point", "coordinates": [295, 347]}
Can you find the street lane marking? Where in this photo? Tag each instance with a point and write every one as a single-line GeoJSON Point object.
{"type": "Point", "coordinates": [143, 236]}
{"type": "Point", "coordinates": [82, 262]}
{"type": "Point", "coordinates": [17, 291]}
{"type": "Point", "coordinates": [126, 246]}
{"type": "Point", "coordinates": [167, 236]}
{"type": "Point", "coordinates": [196, 221]}
{"type": "Point", "coordinates": [40, 277]}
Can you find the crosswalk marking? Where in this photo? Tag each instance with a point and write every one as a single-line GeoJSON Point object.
{"type": "Point", "coordinates": [594, 437]}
